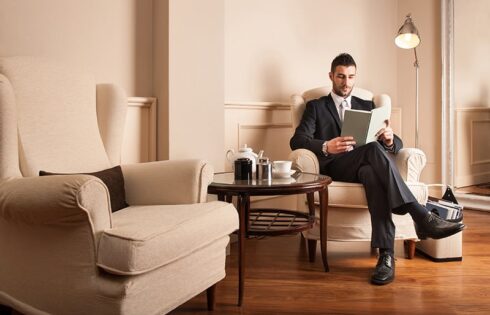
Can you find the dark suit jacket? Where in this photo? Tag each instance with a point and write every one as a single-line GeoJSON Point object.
{"type": "Point", "coordinates": [321, 122]}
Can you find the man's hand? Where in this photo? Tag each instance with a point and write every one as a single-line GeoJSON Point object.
{"type": "Point", "coordinates": [386, 135]}
{"type": "Point", "coordinates": [340, 145]}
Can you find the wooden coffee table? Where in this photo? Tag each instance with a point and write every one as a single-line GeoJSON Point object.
{"type": "Point", "coordinates": [273, 221]}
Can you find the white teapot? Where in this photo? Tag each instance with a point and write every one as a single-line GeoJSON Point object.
{"type": "Point", "coordinates": [243, 152]}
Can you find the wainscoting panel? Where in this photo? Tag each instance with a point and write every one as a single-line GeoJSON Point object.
{"type": "Point", "coordinates": [472, 147]}
{"type": "Point", "coordinates": [139, 143]}
{"type": "Point", "coordinates": [261, 125]}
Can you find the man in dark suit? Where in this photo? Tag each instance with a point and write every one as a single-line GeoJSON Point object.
{"type": "Point", "coordinates": [386, 192]}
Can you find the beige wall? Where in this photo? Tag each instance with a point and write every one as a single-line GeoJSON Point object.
{"type": "Point", "coordinates": [175, 50]}
{"type": "Point", "coordinates": [471, 66]}
{"type": "Point", "coordinates": [472, 92]}
{"type": "Point", "coordinates": [130, 43]}
{"type": "Point", "coordinates": [160, 73]}
{"type": "Point", "coordinates": [112, 38]}
{"type": "Point", "coordinates": [275, 48]}
{"type": "Point", "coordinates": [196, 86]}
{"type": "Point", "coordinates": [188, 45]}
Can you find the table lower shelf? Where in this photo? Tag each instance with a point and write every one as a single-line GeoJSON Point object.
{"type": "Point", "coordinates": [278, 221]}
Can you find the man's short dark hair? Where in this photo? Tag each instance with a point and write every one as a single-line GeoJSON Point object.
{"type": "Point", "coordinates": [343, 59]}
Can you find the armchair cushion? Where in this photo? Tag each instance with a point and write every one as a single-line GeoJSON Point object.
{"type": "Point", "coordinates": [113, 179]}
{"type": "Point", "coordinates": [144, 238]}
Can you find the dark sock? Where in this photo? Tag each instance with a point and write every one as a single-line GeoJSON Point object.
{"type": "Point", "coordinates": [387, 251]}
{"type": "Point", "coordinates": [416, 210]}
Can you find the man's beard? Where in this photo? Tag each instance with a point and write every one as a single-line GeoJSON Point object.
{"type": "Point", "coordinates": [340, 92]}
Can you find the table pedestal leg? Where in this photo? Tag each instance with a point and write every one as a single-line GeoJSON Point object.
{"type": "Point", "coordinates": [323, 226]}
{"type": "Point", "coordinates": [310, 197]}
{"type": "Point", "coordinates": [242, 205]}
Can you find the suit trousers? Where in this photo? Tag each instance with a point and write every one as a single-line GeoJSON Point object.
{"type": "Point", "coordinates": [385, 189]}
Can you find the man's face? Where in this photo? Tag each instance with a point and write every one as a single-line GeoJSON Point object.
{"type": "Point", "coordinates": [343, 80]}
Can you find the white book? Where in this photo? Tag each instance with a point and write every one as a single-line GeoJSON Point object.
{"type": "Point", "coordinates": [441, 210]}
{"type": "Point", "coordinates": [364, 125]}
{"type": "Point", "coordinates": [450, 204]}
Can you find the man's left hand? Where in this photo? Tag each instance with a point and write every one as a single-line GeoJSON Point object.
{"type": "Point", "coordinates": [386, 135]}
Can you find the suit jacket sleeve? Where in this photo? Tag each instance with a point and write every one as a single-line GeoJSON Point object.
{"type": "Point", "coordinates": [398, 144]}
{"type": "Point", "coordinates": [304, 136]}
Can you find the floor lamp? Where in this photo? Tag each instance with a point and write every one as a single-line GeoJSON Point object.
{"type": "Point", "coordinates": [408, 38]}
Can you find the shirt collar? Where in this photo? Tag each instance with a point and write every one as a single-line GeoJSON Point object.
{"type": "Point", "coordinates": [338, 99]}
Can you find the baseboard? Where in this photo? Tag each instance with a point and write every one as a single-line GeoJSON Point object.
{"type": "Point", "coordinates": [472, 201]}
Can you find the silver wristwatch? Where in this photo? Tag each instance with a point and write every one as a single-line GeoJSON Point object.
{"type": "Point", "coordinates": [324, 148]}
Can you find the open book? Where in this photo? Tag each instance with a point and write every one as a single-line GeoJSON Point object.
{"type": "Point", "coordinates": [364, 125]}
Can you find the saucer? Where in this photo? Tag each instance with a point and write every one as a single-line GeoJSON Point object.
{"type": "Point", "coordinates": [283, 175]}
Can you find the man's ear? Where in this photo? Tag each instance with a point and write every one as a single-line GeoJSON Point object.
{"type": "Point", "coordinates": [330, 75]}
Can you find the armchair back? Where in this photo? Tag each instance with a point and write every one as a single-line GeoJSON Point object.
{"type": "Point", "coordinates": [299, 101]}
{"type": "Point", "coordinates": [48, 119]}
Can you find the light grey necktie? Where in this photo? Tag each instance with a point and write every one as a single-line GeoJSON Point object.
{"type": "Point", "coordinates": [342, 107]}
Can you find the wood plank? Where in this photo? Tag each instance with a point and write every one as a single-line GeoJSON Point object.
{"type": "Point", "coordinates": [281, 280]}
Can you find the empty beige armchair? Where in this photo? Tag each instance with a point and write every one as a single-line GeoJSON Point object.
{"type": "Point", "coordinates": [136, 239]}
{"type": "Point", "coordinates": [348, 216]}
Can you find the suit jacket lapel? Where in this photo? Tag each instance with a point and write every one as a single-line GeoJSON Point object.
{"type": "Point", "coordinates": [333, 111]}
{"type": "Point", "coordinates": [355, 104]}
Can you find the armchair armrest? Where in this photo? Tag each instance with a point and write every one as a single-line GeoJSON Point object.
{"type": "Point", "coordinates": [167, 182]}
{"type": "Point", "coordinates": [410, 163]}
{"type": "Point", "coordinates": [59, 200]}
{"type": "Point", "coordinates": [305, 161]}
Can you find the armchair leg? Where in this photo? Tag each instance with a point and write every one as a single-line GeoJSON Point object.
{"type": "Point", "coordinates": [312, 250]}
{"type": "Point", "coordinates": [5, 310]}
{"type": "Point", "coordinates": [210, 294]}
{"type": "Point", "coordinates": [409, 248]}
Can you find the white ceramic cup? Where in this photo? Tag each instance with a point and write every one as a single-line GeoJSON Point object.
{"type": "Point", "coordinates": [282, 166]}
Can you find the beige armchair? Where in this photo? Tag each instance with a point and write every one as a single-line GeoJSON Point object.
{"type": "Point", "coordinates": [348, 215]}
{"type": "Point", "coordinates": [62, 249]}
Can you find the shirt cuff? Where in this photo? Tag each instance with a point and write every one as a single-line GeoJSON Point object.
{"type": "Point", "coordinates": [390, 149]}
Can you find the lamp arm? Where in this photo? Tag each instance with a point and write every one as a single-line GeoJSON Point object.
{"type": "Point", "coordinates": [416, 62]}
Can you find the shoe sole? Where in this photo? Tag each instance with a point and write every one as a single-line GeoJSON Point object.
{"type": "Point", "coordinates": [381, 282]}
{"type": "Point", "coordinates": [424, 237]}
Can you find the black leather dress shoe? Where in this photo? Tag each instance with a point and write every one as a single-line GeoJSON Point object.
{"type": "Point", "coordinates": [384, 272]}
{"type": "Point", "coordinates": [434, 227]}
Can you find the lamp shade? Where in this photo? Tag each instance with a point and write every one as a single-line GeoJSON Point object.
{"type": "Point", "coordinates": [408, 35]}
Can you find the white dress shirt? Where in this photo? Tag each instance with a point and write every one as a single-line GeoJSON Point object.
{"type": "Point", "coordinates": [338, 100]}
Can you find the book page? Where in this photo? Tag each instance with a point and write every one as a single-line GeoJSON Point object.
{"type": "Point", "coordinates": [378, 119]}
{"type": "Point", "coordinates": [356, 124]}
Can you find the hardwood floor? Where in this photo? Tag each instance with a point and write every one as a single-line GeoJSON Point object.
{"type": "Point", "coordinates": [280, 280]}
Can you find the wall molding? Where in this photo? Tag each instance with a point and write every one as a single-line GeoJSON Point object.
{"type": "Point", "coordinates": [265, 126]}
{"type": "Point", "coordinates": [257, 105]}
{"type": "Point", "coordinates": [473, 109]}
{"type": "Point", "coordinates": [149, 103]}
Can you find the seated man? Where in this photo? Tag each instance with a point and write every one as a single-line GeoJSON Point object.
{"type": "Point", "coordinates": [339, 158]}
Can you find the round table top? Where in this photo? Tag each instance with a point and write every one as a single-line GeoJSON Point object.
{"type": "Point", "coordinates": [297, 182]}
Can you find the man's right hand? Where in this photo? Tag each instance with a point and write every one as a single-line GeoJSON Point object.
{"type": "Point", "coordinates": [340, 145]}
